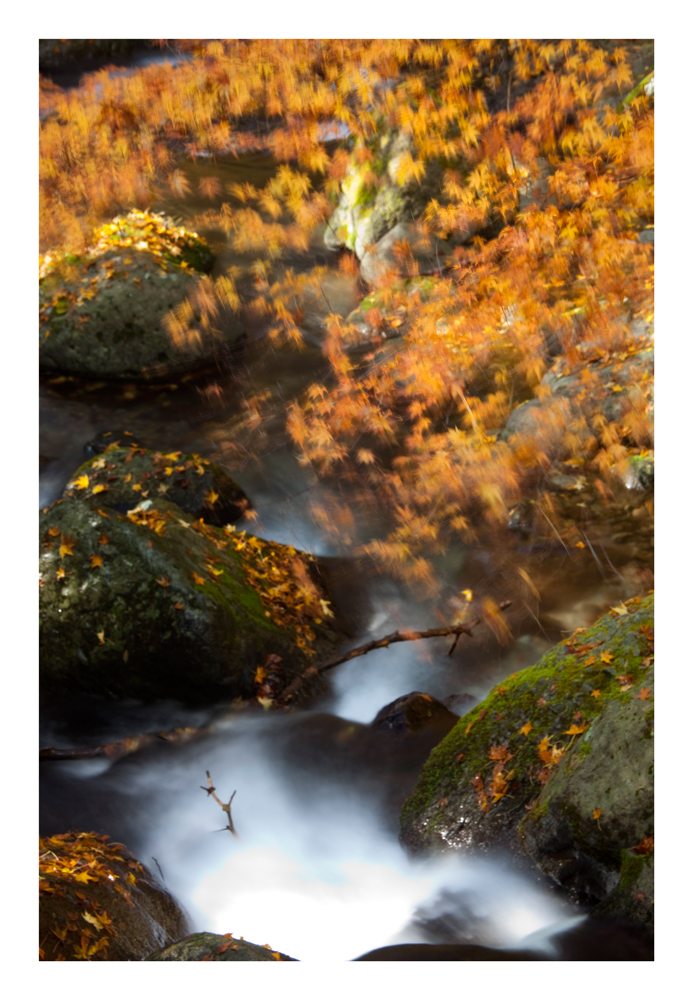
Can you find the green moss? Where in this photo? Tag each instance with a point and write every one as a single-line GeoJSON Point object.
{"type": "Point", "coordinates": [631, 867]}
{"type": "Point", "coordinates": [584, 750]}
{"type": "Point", "coordinates": [548, 696]}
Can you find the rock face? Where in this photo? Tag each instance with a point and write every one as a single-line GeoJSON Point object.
{"type": "Point", "coordinates": [375, 194]}
{"type": "Point", "coordinates": [100, 315]}
{"type": "Point", "coordinates": [128, 476]}
{"type": "Point", "coordinates": [97, 903]}
{"type": "Point", "coordinates": [206, 947]}
{"type": "Point", "coordinates": [155, 604]}
{"type": "Point", "coordinates": [558, 762]}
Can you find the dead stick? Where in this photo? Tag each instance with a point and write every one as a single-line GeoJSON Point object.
{"type": "Point", "coordinates": [386, 641]}
{"type": "Point", "coordinates": [226, 806]}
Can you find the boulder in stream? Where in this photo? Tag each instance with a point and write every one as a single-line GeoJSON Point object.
{"type": "Point", "coordinates": [125, 476]}
{"type": "Point", "coordinates": [557, 763]}
{"type": "Point", "coordinates": [101, 313]}
{"type": "Point", "coordinates": [155, 604]}
{"type": "Point", "coordinates": [412, 712]}
{"type": "Point", "coordinates": [207, 947]}
{"type": "Point", "coordinates": [98, 903]}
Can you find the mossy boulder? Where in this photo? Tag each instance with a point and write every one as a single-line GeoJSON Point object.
{"type": "Point", "coordinates": [98, 903]}
{"type": "Point", "coordinates": [155, 604]}
{"type": "Point", "coordinates": [557, 762]}
{"type": "Point", "coordinates": [207, 947]}
{"type": "Point", "coordinates": [376, 195]}
{"type": "Point", "coordinates": [125, 476]}
{"type": "Point", "coordinates": [101, 313]}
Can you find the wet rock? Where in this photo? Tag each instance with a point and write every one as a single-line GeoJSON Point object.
{"type": "Point", "coordinates": [207, 947]}
{"type": "Point", "coordinates": [155, 605]}
{"type": "Point", "coordinates": [413, 712]}
{"type": "Point", "coordinates": [447, 953]}
{"type": "Point", "coordinates": [639, 474]}
{"type": "Point", "coordinates": [105, 439]}
{"type": "Point", "coordinates": [101, 315]}
{"type": "Point", "coordinates": [121, 911]}
{"type": "Point", "coordinates": [556, 762]}
{"type": "Point", "coordinates": [130, 475]}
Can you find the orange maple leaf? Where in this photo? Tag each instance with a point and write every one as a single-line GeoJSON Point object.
{"type": "Point", "coordinates": [67, 545]}
{"type": "Point", "coordinates": [526, 729]}
{"type": "Point", "coordinates": [211, 497]}
{"type": "Point", "coordinates": [199, 580]}
{"type": "Point", "coordinates": [164, 581]}
{"type": "Point", "coordinates": [606, 657]}
{"type": "Point", "coordinates": [103, 540]}
{"type": "Point", "coordinates": [644, 694]}
{"type": "Point", "coordinates": [96, 561]}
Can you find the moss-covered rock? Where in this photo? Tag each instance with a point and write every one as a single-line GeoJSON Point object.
{"type": "Point", "coordinates": [206, 947]}
{"type": "Point", "coordinates": [530, 765]}
{"type": "Point", "coordinates": [97, 903]}
{"type": "Point", "coordinates": [155, 604]}
{"type": "Point", "coordinates": [126, 476]}
{"type": "Point", "coordinates": [101, 313]}
{"type": "Point", "coordinates": [377, 194]}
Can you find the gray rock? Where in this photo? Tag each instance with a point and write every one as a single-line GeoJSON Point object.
{"type": "Point", "coordinates": [427, 256]}
{"type": "Point", "coordinates": [646, 236]}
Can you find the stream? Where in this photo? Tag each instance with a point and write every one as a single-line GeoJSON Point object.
{"type": "Point", "coordinates": [317, 870]}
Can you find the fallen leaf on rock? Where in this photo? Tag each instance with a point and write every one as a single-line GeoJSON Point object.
{"type": "Point", "coordinates": [526, 729]}
{"type": "Point", "coordinates": [96, 561]}
{"type": "Point", "coordinates": [54, 531]}
{"type": "Point", "coordinates": [178, 606]}
{"type": "Point", "coordinates": [99, 489]}
{"type": "Point", "coordinates": [103, 540]}
{"type": "Point", "coordinates": [101, 637]}
{"type": "Point", "coordinates": [67, 545]}
{"type": "Point", "coordinates": [81, 482]}
{"type": "Point", "coordinates": [164, 581]}
{"type": "Point", "coordinates": [60, 574]}
{"type": "Point", "coordinates": [644, 694]}
{"type": "Point", "coordinates": [590, 660]}
{"type": "Point", "coordinates": [596, 693]}
{"type": "Point", "coordinates": [576, 730]}
{"type": "Point", "coordinates": [211, 496]}
{"type": "Point", "coordinates": [541, 701]}
{"type": "Point", "coordinates": [620, 609]}
{"type": "Point", "coordinates": [199, 580]}
{"type": "Point", "coordinates": [102, 513]}
{"type": "Point", "coordinates": [606, 657]}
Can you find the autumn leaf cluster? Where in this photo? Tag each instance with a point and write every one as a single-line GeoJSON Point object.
{"type": "Point", "coordinates": [534, 143]}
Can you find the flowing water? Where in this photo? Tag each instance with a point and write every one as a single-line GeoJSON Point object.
{"type": "Point", "coordinates": [317, 870]}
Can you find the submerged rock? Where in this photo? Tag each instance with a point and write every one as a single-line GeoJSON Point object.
{"type": "Point", "coordinates": [100, 314]}
{"type": "Point", "coordinates": [97, 903]}
{"type": "Point", "coordinates": [126, 476]}
{"type": "Point", "coordinates": [154, 604]}
{"type": "Point", "coordinates": [557, 762]}
{"type": "Point", "coordinates": [207, 947]}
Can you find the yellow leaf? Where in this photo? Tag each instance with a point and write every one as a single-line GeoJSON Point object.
{"type": "Point", "coordinates": [92, 918]}
{"type": "Point", "coordinates": [596, 693]}
{"type": "Point", "coordinates": [606, 657]}
{"type": "Point", "coordinates": [85, 877]}
{"type": "Point", "coordinates": [575, 730]}
{"type": "Point", "coordinates": [526, 729]}
{"type": "Point", "coordinates": [137, 486]}
{"type": "Point", "coordinates": [99, 489]}
{"type": "Point", "coordinates": [174, 456]}
{"type": "Point", "coordinates": [81, 482]}
{"type": "Point", "coordinates": [620, 609]}
{"type": "Point", "coordinates": [96, 561]}
{"type": "Point", "coordinates": [60, 575]}
{"type": "Point", "coordinates": [211, 497]}
{"type": "Point", "coordinates": [596, 813]}
{"type": "Point", "coordinates": [265, 702]}
{"type": "Point", "coordinates": [213, 569]}
{"type": "Point", "coordinates": [101, 637]}
{"type": "Point", "coordinates": [467, 594]}
{"type": "Point", "coordinates": [168, 470]}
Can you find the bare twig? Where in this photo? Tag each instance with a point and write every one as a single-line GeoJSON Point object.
{"type": "Point", "coordinates": [121, 748]}
{"type": "Point", "coordinates": [385, 642]}
{"type": "Point", "coordinates": [226, 806]}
